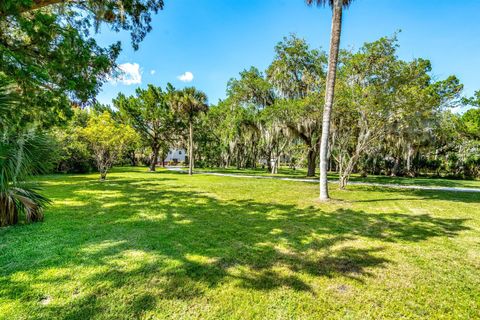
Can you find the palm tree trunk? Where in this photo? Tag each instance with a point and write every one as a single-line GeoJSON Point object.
{"type": "Point", "coordinates": [190, 150]}
{"type": "Point", "coordinates": [329, 94]}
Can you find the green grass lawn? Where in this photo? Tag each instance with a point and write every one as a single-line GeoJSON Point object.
{"type": "Point", "coordinates": [166, 245]}
{"type": "Point", "coordinates": [286, 172]}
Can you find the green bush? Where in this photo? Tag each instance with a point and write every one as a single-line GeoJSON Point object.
{"type": "Point", "coordinates": [74, 155]}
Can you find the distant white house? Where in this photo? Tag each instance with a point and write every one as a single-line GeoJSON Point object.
{"type": "Point", "coordinates": [175, 155]}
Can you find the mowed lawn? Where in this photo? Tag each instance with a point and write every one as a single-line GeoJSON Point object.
{"type": "Point", "coordinates": [168, 246]}
{"type": "Point", "coordinates": [285, 172]}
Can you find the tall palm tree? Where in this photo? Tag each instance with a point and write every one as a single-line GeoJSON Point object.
{"type": "Point", "coordinates": [189, 102]}
{"type": "Point", "coordinates": [337, 6]}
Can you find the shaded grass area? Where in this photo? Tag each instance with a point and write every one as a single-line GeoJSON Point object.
{"type": "Point", "coordinates": [286, 172]}
{"type": "Point", "coordinates": [166, 245]}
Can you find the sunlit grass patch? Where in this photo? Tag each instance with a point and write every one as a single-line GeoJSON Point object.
{"type": "Point", "coordinates": [166, 245]}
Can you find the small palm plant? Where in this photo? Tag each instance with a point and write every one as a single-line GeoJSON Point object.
{"type": "Point", "coordinates": [21, 155]}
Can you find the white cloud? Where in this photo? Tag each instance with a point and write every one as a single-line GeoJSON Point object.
{"type": "Point", "coordinates": [129, 74]}
{"type": "Point", "coordinates": [457, 109]}
{"type": "Point", "coordinates": [152, 72]}
{"type": "Point", "coordinates": [186, 77]}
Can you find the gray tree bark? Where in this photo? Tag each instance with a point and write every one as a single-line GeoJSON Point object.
{"type": "Point", "coordinates": [153, 158]}
{"type": "Point", "coordinates": [329, 95]}
{"type": "Point", "coordinates": [190, 150]}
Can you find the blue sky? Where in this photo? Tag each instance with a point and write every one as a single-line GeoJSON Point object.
{"type": "Point", "coordinates": [215, 39]}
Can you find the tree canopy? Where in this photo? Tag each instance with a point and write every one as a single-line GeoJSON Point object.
{"type": "Point", "coordinates": [390, 116]}
{"type": "Point", "coordinates": [47, 49]}
{"type": "Point", "coordinates": [107, 140]}
{"type": "Point", "coordinates": [150, 114]}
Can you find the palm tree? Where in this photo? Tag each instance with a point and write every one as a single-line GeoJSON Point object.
{"type": "Point", "coordinates": [189, 102]}
{"type": "Point", "coordinates": [337, 6]}
{"type": "Point", "coordinates": [21, 155]}
{"type": "Point", "coordinates": [17, 163]}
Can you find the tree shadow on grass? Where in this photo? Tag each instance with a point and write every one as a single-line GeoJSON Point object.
{"type": "Point", "coordinates": [176, 244]}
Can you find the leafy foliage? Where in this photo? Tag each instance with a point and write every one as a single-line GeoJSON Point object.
{"type": "Point", "coordinates": [46, 49]}
{"type": "Point", "coordinates": [470, 123]}
{"type": "Point", "coordinates": [344, 3]}
{"type": "Point", "coordinates": [390, 116]}
{"type": "Point", "coordinates": [74, 153]}
{"type": "Point", "coordinates": [107, 139]}
{"type": "Point", "coordinates": [150, 114]}
{"type": "Point", "coordinates": [22, 155]}
{"type": "Point", "coordinates": [189, 103]}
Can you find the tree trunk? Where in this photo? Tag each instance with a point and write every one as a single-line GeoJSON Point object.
{"type": "Point", "coordinates": [345, 175]}
{"type": "Point", "coordinates": [278, 163]}
{"type": "Point", "coordinates": [396, 165]}
{"type": "Point", "coordinates": [311, 162]}
{"type": "Point", "coordinates": [8, 212]}
{"type": "Point", "coordinates": [239, 166]}
{"type": "Point", "coordinates": [133, 159]}
{"type": "Point", "coordinates": [153, 158]}
{"type": "Point", "coordinates": [410, 153]}
{"type": "Point", "coordinates": [342, 183]}
{"type": "Point", "coordinates": [374, 166]}
{"type": "Point", "coordinates": [190, 150]}
{"type": "Point", "coordinates": [329, 95]}
{"type": "Point", "coordinates": [37, 4]}
{"type": "Point", "coordinates": [162, 156]}
{"type": "Point", "coordinates": [269, 161]}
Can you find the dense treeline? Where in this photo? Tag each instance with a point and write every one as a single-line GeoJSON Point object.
{"type": "Point", "coordinates": [390, 117]}
{"type": "Point", "coordinates": [139, 129]}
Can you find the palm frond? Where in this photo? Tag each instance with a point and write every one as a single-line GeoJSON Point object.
{"type": "Point", "coordinates": [22, 154]}
{"type": "Point", "coordinates": [345, 3]}
{"type": "Point", "coordinates": [30, 202]}
{"type": "Point", "coordinates": [189, 101]}
{"type": "Point", "coordinates": [8, 102]}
